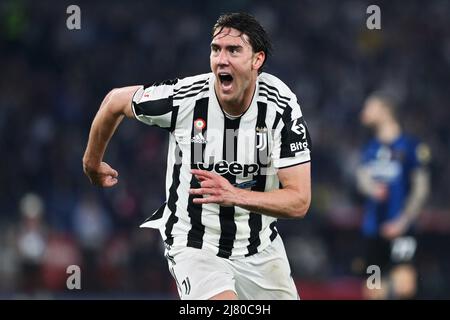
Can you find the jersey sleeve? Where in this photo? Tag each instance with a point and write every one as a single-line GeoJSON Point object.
{"type": "Point", "coordinates": [292, 142]}
{"type": "Point", "coordinates": [153, 104]}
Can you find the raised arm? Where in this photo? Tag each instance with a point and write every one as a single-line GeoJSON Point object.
{"type": "Point", "coordinates": [290, 202]}
{"type": "Point", "coordinates": [113, 108]}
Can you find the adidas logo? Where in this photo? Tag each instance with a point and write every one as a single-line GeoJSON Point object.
{"type": "Point", "coordinates": [199, 138]}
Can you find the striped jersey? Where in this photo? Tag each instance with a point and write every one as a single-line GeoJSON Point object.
{"type": "Point", "coordinates": [246, 150]}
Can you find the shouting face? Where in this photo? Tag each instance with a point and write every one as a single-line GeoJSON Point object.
{"type": "Point", "coordinates": [235, 66]}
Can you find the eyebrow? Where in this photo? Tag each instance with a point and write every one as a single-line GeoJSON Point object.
{"type": "Point", "coordinates": [230, 47]}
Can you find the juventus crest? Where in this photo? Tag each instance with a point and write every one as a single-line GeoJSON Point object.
{"type": "Point", "coordinates": [261, 138]}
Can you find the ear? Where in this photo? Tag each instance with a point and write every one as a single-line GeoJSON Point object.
{"type": "Point", "coordinates": [258, 60]}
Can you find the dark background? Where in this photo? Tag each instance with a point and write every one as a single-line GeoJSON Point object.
{"type": "Point", "coordinates": [53, 80]}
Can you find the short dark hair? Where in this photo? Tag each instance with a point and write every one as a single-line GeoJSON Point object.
{"type": "Point", "coordinates": [247, 24]}
{"type": "Point", "coordinates": [389, 98]}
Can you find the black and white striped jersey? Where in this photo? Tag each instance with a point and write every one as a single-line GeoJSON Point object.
{"type": "Point", "coordinates": [247, 151]}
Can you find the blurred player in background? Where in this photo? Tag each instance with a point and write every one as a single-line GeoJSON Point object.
{"type": "Point", "coordinates": [236, 136]}
{"type": "Point", "coordinates": [393, 175]}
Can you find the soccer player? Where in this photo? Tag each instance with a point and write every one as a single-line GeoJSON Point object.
{"type": "Point", "coordinates": [238, 159]}
{"type": "Point", "coordinates": [394, 177]}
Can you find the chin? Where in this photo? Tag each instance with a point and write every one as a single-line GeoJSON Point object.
{"type": "Point", "coordinates": [226, 97]}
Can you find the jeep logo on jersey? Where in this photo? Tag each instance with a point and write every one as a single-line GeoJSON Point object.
{"type": "Point", "coordinates": [222, 167]}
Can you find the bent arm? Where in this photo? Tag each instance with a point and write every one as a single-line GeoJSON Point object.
{"type": "Point", "coordinates": [364, 181]}
{"type": "Point", "coordinates": [113, 108]}
{"type": "Point", "coordinates": [292, 201]}
{"type": "Point", "coordinates": [368, 186]}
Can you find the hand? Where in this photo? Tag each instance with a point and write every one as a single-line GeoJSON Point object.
{"type": "Point", "coordinates": [102, 175]}
{"type": "Point", "coordinates": [214, 188]}
{"type": "Point", "coordinates": [394, 229]}
{"type": "Point", "coordinates": [380, 192]}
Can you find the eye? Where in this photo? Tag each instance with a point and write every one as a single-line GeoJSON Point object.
{"type": "Point", "coordinates": [234, 50]}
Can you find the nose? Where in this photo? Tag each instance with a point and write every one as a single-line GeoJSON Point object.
{"type": "Point", "coordinates": [222, 58]}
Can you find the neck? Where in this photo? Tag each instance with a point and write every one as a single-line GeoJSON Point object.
{"type": "Point", "coordinates": [237, 106]}
{"type": "Point", "coordinates": [231, 116]}
{"type": "Point", "coordinates": [388, 131]}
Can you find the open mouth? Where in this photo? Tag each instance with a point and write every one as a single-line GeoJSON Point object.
{"type": "Point", "coordinates": [226, 80]}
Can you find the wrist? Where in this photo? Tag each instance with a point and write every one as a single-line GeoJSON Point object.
{"type": "Point", "coordinates": [405, 220]}
{"type": "Point", "coordinates": [242, 197]}
{"type": "Point", "coordinates": [90, 164]}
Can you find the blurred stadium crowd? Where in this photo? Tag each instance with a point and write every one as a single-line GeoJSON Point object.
{"type": "Point", "coordinates": [54, 79]}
